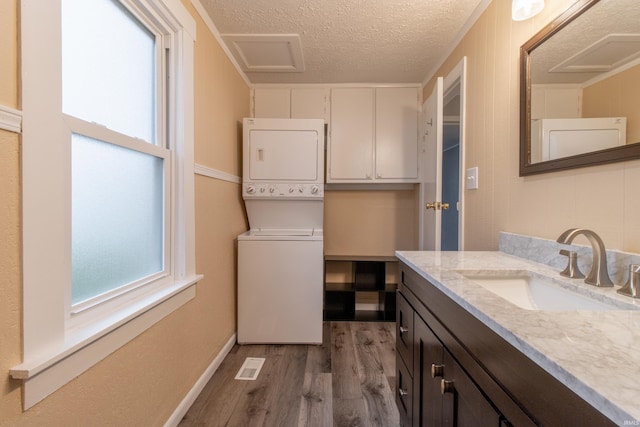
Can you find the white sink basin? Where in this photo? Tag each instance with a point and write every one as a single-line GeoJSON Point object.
{"type": "Point", "coordinates": [534, 292]}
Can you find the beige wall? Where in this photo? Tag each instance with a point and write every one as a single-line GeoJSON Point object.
{"type": "Point", "coordinates": [370, 222]}
{"type": "Point", "coordinates": [10, 290]}
{"type": "Point", "coordinates": [8, 51]}
{"type": "Point", "coordinates": [144, 381]}
{"type": "Point", "coordinates": [616, 96]}
{"type": "Point", "coordinates": [601, 198]}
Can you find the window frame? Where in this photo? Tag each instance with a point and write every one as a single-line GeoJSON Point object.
{"type": "Point", "coordinates": [59, 345]}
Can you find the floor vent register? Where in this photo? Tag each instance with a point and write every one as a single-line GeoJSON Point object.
{"type": "Point", "coordinates": [250, 368]}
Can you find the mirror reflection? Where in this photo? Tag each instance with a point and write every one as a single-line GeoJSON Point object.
{"type": "Point", "coordinates": [584, 84]}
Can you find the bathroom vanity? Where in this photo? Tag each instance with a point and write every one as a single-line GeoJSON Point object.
{"type": "Point", "coordinates": [466, 355]}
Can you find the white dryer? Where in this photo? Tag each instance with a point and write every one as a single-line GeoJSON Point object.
{"type": "Point", "coordinates": [280, 259]}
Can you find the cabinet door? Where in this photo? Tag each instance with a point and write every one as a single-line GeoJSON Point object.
{"type": "Point", "coordinates": [351, 135]}
{"type": "Point", "coordinates": [463, 402]}
{"type": "Point", "coordinates": [404, 330]}
{"type": "Point", "coordinates": [272, 103]}
{"type": "Point", "coordinates": [396, 133]}
{"type": "Point", "coordinates": [310, 103]}
{"type": "Point", "coordinates": [443, 393]}
{"type": "Point", "coordinates": [404, 392]}
{"type": "Point", "coordinates": [428, 371]}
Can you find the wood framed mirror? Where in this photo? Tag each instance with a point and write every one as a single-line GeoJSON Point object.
{"type": "Point", "coordinates": [580, 88]}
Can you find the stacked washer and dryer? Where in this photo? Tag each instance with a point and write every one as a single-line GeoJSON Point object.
{"type": "Point", "coordinates": [280, 259]}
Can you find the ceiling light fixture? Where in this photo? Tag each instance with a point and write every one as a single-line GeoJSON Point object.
{"type": "Point", "coordinates": [525, 9]}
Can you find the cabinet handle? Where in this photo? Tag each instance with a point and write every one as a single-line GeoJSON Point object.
{"type": "Point", "coordinates": [437, 370]}
{"type": "Point", "coordinates": [403, 392]}
{"type": "Point", "coordinates": [403, 330]}
{"type": "Point", "coordinates": [446, 387]}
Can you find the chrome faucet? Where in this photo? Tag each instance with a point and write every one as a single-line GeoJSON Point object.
{"type": "Point", "coordinates": [599, 275]}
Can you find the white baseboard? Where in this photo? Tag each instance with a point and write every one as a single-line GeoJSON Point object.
{"type": "Point", "coordinates": [197, 388]}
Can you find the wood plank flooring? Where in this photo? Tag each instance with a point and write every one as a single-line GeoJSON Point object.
{"type": "Point", "coordinates": [348, 381]}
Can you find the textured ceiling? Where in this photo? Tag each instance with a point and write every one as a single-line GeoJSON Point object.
{"type": "Point", "coordinates": [351, 41]}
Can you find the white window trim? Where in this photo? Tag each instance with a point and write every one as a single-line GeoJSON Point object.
{"type": "Point", "coordinates": [55, 353]}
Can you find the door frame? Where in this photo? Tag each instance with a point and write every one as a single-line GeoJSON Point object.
{"type": "Point", "coordinates": [457, 75]}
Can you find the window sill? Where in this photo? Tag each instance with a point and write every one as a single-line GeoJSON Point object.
{"type": "Point", "coordinates": [84, 347]}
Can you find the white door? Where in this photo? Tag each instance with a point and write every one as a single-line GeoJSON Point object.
{"type": "Point", "coordinates": [431, 159]}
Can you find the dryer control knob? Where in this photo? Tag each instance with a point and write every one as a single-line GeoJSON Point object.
{"type": "Point", "coordinates": [272, 189]}
{"type": "Point", "coordinates": [290, 189]}
{"type": "Point", "coordinates": [262, 190]}
{"type": "Point", "coordinates": [251, 189]}
{"type": "Point", "coordinates": [315, 189]}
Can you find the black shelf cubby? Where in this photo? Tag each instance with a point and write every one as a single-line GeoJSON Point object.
{"type": "Point", "coordinates": [360, 288]}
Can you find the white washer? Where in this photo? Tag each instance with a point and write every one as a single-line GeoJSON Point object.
{"type": "Point", "coordinates": [280, 288]}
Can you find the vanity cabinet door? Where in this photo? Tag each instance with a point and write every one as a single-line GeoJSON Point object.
{"type": "Point", "coordinates": [464, 405]}
{"type": "Point", "coordinates": [444, 395]}
{"type": "Point", "coordinates": [404, 392]}
{"type": "Point", "coordinates": [404, 360]}
{"type": "Point", "coordinates": [404, 330]}
{"type": "Point", "coordinates": [428, 371]}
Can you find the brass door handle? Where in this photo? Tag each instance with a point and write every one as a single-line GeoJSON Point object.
{"type": "Point", "coordinates": [436, 206]}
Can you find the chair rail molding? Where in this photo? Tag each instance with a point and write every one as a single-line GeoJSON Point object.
{"type": "Point", "coordinates": [10, 119]}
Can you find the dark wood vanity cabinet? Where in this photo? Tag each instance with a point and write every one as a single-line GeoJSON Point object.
{"type": "Point", "coordinates": [461, 373]}
{"type": "Point", "coordinates": [436, 391]}
{"type": "Point", "coordinates": [404, 360]}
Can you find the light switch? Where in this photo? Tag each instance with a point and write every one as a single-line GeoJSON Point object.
{"type": "Point", "coordinates": [472, 178]}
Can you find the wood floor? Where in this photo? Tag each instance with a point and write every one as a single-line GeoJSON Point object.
{"type": "Point", "coordinates": [347, 381]}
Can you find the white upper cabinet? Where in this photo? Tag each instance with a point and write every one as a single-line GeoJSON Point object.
{"type": "Point", "coordinates": [350, 147]}
{"type": "Point", "coordinates": [310, 103]}
{"type": "Point", "coordinates": [295, 103]}
{"type": "Point", "coordinates": [373, 135]}
{"type": "Point", "coordinates": [272, 103]}
{"type": "Point", "coordinates": [396, 133]}
{"type": "Point", "coordinates": [373, 131]}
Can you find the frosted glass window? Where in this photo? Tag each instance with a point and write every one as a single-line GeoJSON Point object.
{"type": "Point", "coordinates": [117, 216]}
{"type": "Point", "coordinates": [108, 67]}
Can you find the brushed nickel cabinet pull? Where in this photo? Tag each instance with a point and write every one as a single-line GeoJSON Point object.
{"type": "Point", "coordinates": [437, 370]}
{"type": "Point", "coordinates": [446, 387]}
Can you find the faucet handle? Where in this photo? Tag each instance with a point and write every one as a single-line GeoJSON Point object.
{"type": "Point", "coordinates": [630, 289]}
{"type": "Point", "coordinates": [572, 269]}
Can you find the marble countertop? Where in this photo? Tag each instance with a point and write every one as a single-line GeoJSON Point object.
{"type": "Point", "coordinates": [594, 353]}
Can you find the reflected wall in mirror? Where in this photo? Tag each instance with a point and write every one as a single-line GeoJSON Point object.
{"type": "Point", "coordinates": [580, 88]}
